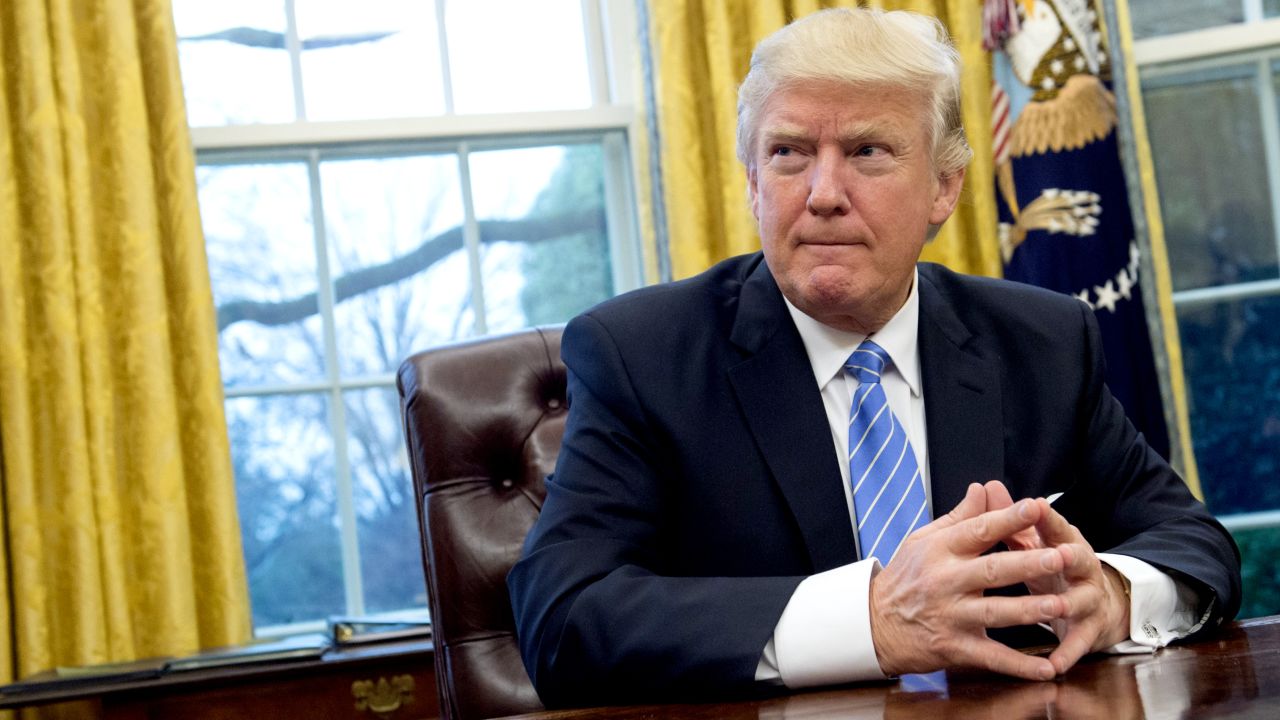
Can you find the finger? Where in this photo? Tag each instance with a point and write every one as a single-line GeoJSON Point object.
{"type": "Point", "coordinates": [1075, 645]}
{"type": "Point", "coordinates": [1001, 569]}
{"type": "Point", "coordinates": [998, 498]}
{"type": "Point", "coordinates": [1053, 527]}
{"type": "Point", "coordinates": [1079, 562]}
{"type": "Point", "coordinates": [976, 534]}
{"type": "Point", "coordinates": [973, 505]}
{"type": "Point", "coordinates": [988, 654]}
{"type": "Point", "coordinates": [998, 611]}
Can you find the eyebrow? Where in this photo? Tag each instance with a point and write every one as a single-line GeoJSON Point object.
{"type": "Point", "coordinates": [850, 134]}
{"type": "Point", "coordinates": [785, 132]}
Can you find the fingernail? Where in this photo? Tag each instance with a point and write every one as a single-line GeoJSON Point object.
{"type": "Point", "coordinates": [1024, 509]}
{"type": "Point", "coordinates": [1047, 672]}
{"type": "Point", "coordinates": [1047, 608]}
{"type": "Point", "coordinates": [1047, 559]}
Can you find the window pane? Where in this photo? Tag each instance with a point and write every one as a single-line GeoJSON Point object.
{"type": "Point", "coordinates": [372, 59]}
{"type": "Point", "coordinates": [282, 451]}
{"type": "Point", "coordinates": [257, 225]}
{"type": "Point", "coordinates": [235, 68]}
{"type": "Point", "coordinates": [1163, 17]}
{"type": "Point", "coordinates": [546, 249]}
{"type": "Point", "coordinates": [1232, 355]}
{"type": "Point", "coordinates": [534, 58]}
{"type": "Point", "coordinates": [1214, 193]}
{"type": "Point", "coordinates": [400, 271]}
{"type": "Point", "coordinates": [1271, 8]}
{"type": "Point", "coordinates": [1258, 552]}
{"type": "Point", "coordinates": [387, 520]}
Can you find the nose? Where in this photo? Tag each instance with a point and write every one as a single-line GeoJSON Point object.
{"type": "Point", "coordinates": [828, 188]}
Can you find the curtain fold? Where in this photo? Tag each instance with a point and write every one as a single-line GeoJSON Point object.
{"type": "Point", "coordinates": [701, 50]}
{"type": "Point", "coordinates": [120, 535]}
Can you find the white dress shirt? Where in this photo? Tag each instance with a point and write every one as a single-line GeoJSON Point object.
{"type": "Point", "coordinates": [824, 634]}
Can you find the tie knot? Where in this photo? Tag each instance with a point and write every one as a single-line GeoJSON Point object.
{"type": "Point", "coordinates": [867, 363]}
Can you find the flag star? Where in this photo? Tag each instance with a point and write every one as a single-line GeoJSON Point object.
{"type": "Point", "coordinates": [1078, 63]}
{"type": "Point", "coordinates": [1047, 83]}
{"type": "Point", "coordinates": [1083, 296]}
{"type": "Point", "coordinates": [1125, 283]}
{"type": "Point", "coordinates": [1107, 296]}
{"type": "Point", "coordinates": [1068, 44]}
{"type": "Point", "coordinates": [1135, 256]}
{"type": "Point", "coordinates": [1056, 67]}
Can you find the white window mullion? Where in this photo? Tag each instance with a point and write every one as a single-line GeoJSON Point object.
{"type": "Point", "coordinates": [446, 69]}
{"type": "Point", "coordinates": [293, 44]}
{"type": "Point", "coordinates": [471, 239]}
{"type": "Point", "coordinates": [624, 249]}
{"type": "Point", "coordinates": [1270, 140]}
{"type": "Point", "coordinates": [618, 27]}
{"type": "Point", "coordinates": [1224, 293]}
{"type": "Point", "coordinates": [1252, 11]}
{"type": "Point", "coordinates": [597, 62]}
{"type": "Point", "coordinates": [1251, 521]}
{"type": "Point", "coordinates": [353, 584]}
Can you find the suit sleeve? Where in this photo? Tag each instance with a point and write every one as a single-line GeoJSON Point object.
{"type": "Point", "coordinates": [1130, 502]}
{"type": "Point", "coordinates": [599, 617]}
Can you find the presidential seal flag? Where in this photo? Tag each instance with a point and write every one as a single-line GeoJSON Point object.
{"type": "Point", "coordinates": [1065, 221]}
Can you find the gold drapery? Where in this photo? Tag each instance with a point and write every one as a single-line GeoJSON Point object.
{"type": "Point", "coordinates": [701, 51]}
{"type": "Point", "coordinates": [120, 536]}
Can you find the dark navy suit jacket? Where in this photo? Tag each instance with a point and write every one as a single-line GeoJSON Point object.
{"type": "Point", "coordinates": [697, 483]}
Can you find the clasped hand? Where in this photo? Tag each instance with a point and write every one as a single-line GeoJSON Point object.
{"type": "Point", "coordinates": [928, 610]}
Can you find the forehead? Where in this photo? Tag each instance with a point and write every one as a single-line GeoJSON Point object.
{"type": "Point", "coordinates": [822, 107]}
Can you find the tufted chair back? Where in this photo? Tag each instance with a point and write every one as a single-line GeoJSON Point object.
{"type": "Point", "coordinates": [483, 422]}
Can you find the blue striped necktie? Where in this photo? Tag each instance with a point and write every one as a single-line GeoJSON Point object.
{"type": "Point", "coordinates": [888, 491]}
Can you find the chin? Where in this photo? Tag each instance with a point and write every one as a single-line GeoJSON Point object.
{"type": "Point", "coordinates": [828, 291]}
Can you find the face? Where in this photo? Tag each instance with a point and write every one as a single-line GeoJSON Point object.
{"type": "Point", "coordinates": [843, 187]}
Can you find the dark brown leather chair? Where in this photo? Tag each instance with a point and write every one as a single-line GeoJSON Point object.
{"type": "Point", "coordinates": [483, 422]}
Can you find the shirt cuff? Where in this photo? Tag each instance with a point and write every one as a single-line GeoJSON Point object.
{"type": "Point", "coordinates": [824, 634]}
{"type": "Point", "coordinates": [1161, 609]}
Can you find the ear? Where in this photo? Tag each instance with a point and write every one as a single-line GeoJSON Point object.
{"type": "Point", "coordinates": [753, 192]}
{"type": "Point", "coordinates": [948, 194]}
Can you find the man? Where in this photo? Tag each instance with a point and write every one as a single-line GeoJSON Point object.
{"type": "Point", "coordinates": [744, 491]}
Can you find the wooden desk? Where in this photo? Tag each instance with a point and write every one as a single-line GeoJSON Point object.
{"type": "Point", "coordinates": [1236, 675]}
{"type": "Point", "coordinates": [391, 681]}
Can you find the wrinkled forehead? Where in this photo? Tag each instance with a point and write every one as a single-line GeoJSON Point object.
{"type": "Point", "coordinates": [842, 110]}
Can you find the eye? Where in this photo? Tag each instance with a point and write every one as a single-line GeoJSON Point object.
{"type": "Point", "coordinates": [783, 151]}
{"type": "Point", "coordinates": [869, 151]}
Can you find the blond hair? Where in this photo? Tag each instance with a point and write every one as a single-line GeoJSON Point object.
{"type": "Point", "coordinates": [861, 47]}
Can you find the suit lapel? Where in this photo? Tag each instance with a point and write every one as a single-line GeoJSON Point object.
{"type": "Point", "coordinates": [783, 408]}
{"type": "Point", "coordinates": [962, 401]}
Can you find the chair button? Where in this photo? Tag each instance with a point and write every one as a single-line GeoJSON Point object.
{"type": "Point", "coordinates": [554, 403]}
{"type": "Point", "coordinates": [507, 483]}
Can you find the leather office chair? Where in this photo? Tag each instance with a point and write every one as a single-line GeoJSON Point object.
{"type": "Point", "coordinates": [483, 422]}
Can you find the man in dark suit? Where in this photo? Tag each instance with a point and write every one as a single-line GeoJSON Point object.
{"type": "Point", "coordinates": [708, 529]}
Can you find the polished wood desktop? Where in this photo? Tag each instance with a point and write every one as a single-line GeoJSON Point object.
{"type": "Point", "coordinates": [386, 681]}
{"type": "Point", "coordinates": [1234, 675]}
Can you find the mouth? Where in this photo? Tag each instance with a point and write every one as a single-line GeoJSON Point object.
{"type": "Point", "coordinates": [830, 242]}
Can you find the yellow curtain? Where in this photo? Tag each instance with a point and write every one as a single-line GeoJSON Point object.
{"type": "Point", "coordinates": [119, 535]}
{"type": "Point", "coordinates": [701, 50]}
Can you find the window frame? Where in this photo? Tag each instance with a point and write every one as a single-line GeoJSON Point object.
{"type": "Point", "coordinates": [613, 120]}
{"type": "Point", "coordinates": [1256, 41]}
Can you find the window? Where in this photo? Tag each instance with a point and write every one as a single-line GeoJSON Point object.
{"type": "Point", "coordinates": [1210, 94]}
{"type": "Point", "coordinates": [377, 178]}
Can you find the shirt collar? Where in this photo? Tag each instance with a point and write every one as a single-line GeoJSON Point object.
{"type": "Point", "coordinates": [829, 348]}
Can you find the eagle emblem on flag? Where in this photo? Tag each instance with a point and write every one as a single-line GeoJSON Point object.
{"type": "Point", "coordinates": [1065, 220]}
